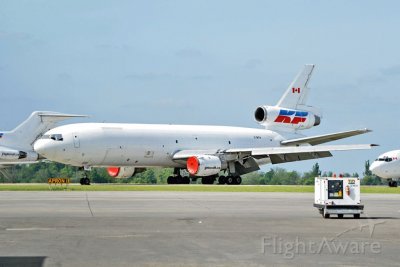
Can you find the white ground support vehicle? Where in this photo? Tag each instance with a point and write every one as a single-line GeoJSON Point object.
{"type": "Point", "coordinates": [337, 195]}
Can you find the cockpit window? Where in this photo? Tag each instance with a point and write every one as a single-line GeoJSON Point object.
{"type": "Point", "coordinates": [386, 159]}
{"type": "Point", "coordinates": [55, 137]}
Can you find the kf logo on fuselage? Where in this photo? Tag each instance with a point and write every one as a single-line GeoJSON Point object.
{"type": "Point", "coordinates": [286, 116]}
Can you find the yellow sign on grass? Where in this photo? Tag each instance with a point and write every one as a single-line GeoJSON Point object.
{"type": "Point", "coordinates": [58, 180]}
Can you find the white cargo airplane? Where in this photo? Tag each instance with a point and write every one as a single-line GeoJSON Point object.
{"type": "Point", "coordinates": [387, 166]}
{"type": "Point", "coordinates": [204, 151]}
{"type": "Point", "coordinates": [16, 146]}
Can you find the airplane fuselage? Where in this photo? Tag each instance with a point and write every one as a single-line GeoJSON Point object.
{"type": "Point", "coordinates": [146, 145]}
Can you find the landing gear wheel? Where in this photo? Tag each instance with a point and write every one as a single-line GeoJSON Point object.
{"type": "Point", "coordinates": [340, 216]}
{"type": "Point", "coordinates": [229, 180]}
{"type": "Point", "coordinates": [356, 216]}
{"type": "Point", "coordinates": [171, 180]}
{"type": "Point", "coordinates": [394, 184]}
{"type": "Point", "coordinates": [207, 180]}
{"type": "Point", "coordinates": [84, 180]}
{"type": "Point", "coordinates": [222, 180]}
{"type": "Point", "coordinates": [238, 180]}
{"type": "Point", "coordinates": [185, 180]}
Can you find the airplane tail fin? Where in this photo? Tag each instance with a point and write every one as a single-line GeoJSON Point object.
{"type": "Point", "coordinates": [39, 122]}
{"type": "Point", "coordinates": [297, 92]}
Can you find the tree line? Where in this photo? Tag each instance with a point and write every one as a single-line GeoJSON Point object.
{"type": "Point", "coordinates": [40, 172]}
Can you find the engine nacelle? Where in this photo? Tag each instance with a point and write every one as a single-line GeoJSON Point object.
{"type": "Point", "coordinates": [13, 154]}
{"type": "Point", "coordinates": [123, 172]}
{"type": "Point", "coordinates": [283, 117]}
{"type": "Point", "coordinates": [203, 165]}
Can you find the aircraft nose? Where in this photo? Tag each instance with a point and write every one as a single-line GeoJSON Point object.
{"type": "Point", "coordinates": [375, 168]}
{"type": "Point", "coordinates": [43, 148]}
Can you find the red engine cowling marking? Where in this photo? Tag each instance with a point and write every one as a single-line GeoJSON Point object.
{"type": "Point", "coordinates": [192, 165]}
{"type": "Point", "coordinates": [113, 171]}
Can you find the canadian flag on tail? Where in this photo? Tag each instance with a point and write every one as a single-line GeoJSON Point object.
{"type": "Point", "coordinates": [296, 90]}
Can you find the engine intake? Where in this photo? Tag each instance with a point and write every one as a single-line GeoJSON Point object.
{"type": "Point", "coordinates": [123, 172]}
{"type": "Point", "coordinates": [203, 165]}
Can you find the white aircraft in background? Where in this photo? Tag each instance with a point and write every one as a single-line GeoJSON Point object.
{"type": "Point", "coordinates": [16, 146]}
{"type": "Point", "coordinates": [387, 166]}
{"type": "Point", "coordinates": [203, 151]}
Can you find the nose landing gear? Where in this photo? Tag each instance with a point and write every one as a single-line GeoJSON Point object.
{"type": "Point", "coordinates": [392, 183]}
{"type": "Point", "coordinates": [85, 180]}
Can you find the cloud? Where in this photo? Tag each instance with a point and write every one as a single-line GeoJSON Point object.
{"type": "Point", "coordinates": [391, 71]}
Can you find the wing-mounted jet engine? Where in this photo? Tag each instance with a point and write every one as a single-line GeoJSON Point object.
{"type": "Point", "coordinates": [124, 172]}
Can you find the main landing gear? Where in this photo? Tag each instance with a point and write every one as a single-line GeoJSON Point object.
{"type": "Point", "coordinates": [229, 180]}
{"type": "Point", "coordinates": [177, 178]}
{"type": "Point", "coordinates": [392, 183]}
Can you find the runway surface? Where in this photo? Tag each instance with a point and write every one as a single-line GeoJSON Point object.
{"type": "Point", "coordinates": [192, 229]}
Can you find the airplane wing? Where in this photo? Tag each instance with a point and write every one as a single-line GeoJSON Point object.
{"type": "Point", "coordinates": [245, 160]}
{"type": "Point", "coordinates": [299, 149]}
{"type": "Point", "coordinates": [268, 151]}
{"type": "Point", "coordinates": [320, 139]}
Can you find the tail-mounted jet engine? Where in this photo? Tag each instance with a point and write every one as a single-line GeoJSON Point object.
{"type": "Point", "coordinates": [282, 117]}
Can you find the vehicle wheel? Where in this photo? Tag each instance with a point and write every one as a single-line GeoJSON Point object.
{"type": "Point", "coordinates": [356, 216]}
{"type": "Point", "coordinates": [324, 214]}
{"type": "Point", "coordinates": [229, 180]}
{"type": "Point", "coordinates": [390, 184]}
{"type": "Point", "coordinates": [340, 216]}
{"type": "Point", "coordinates": [394, 183]}
{"type": "Point", "coordinates": [222, 180]}
{"type": "Point", "coordinates": [81, 181]}
{"type": "Point", "coordinates": [238, 180]}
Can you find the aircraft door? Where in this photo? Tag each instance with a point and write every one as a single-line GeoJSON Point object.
{"type": "Point", "coordinates": [77, 142]}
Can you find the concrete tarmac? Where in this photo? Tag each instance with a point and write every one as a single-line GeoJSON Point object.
{"type": "Point", "coordinates": [192, 229]}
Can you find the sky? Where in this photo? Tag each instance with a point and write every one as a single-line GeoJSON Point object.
{"type": "Point", "coordinates": [205, 62]}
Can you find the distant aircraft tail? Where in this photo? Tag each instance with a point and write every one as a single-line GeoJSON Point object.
{"type": "Point", "coordinates": [296, 95]}
{"type": "Point", "coordinates": [39, 122]}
